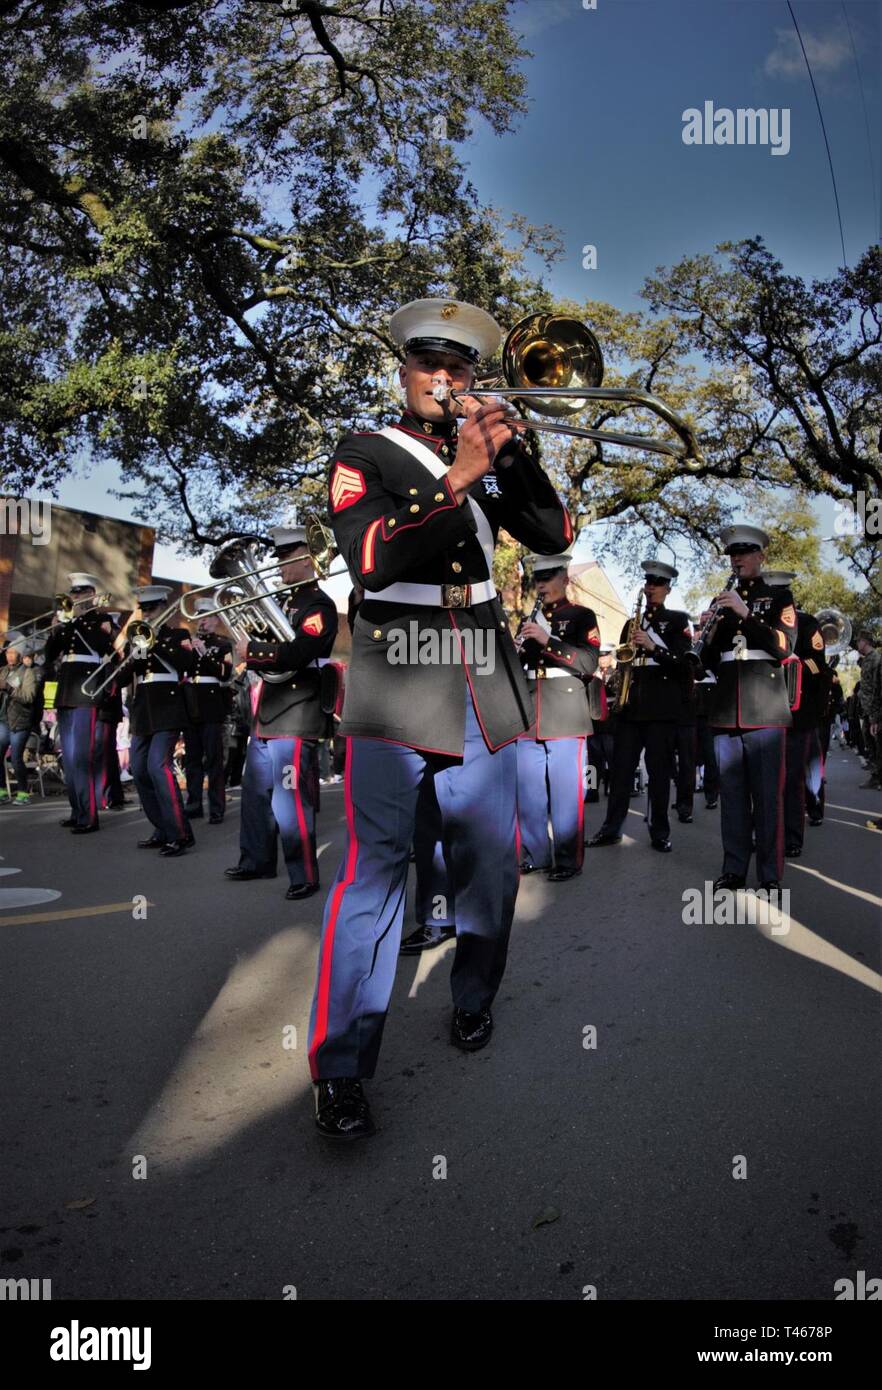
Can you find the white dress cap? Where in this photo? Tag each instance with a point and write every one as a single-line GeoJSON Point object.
{"type": "Point", "coordinates": [447, 325]}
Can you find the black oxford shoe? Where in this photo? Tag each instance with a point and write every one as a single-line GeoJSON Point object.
{"type": "Point", "coordinates": [561, 875]}
{"type": "Point", "coordinates": [341, 1109]}
{"type": "Point", "coordinates": [712, 804]}
{"type": "Point", "coordinates": [154, 842]}
{"type": "Point", "coordinates": [241, 875]}
{"type": "Point", "coordinates": [527, 868]}
{"type": "Point", "coordinates": [175, 848]}
{"type": "Point", "coordinates": [793, 852]}
{"type": "Point", "coordinates": [603, 837]}
{"type": "Point", "coordinates": [684, 817]}
{"type": "Point", "coordinates": [305, 890]}
{"type": "Point", "coordinates": [69, 822]}
{"type": "Point", "coordinates": [471, 1031]}
{"type": "Point", "coordinates": [818, 820]}
{"type": "Point", "coordinates": [425, 939]}
{"type": "Point", "coordinates": [730, 881]}
{"type": "Point", "coordinates": [663, 846]}
{"type": "Point", "coordinates": [215, 820]}
{"type": "Point", "coordinates": [85, 829]}
{"type": "Point", "coordinates": [770, 885]}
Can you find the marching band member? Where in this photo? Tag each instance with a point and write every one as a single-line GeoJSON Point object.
{"type": "Point", "coordinates": [110, 715]}
{"type": "Point", "coordinates": [280, 782]}
{"type": "Point", "coordinates": [601, 699]}
{"type": "Point", "coordinates": [157, 715]}
{"type": "Point", "coordinates": [749, 710]}
{"type": "Point", "coordinates": [806, 716]}
{"type": "Point", "coordinates": [416, 509]}
{"type": "Point", "coordinates": [563, 649]}
{"type": "Point", "coordinates": [77, 646]}
{"type": "Point", "coordinates": [205, 695]}
{"type": "Point", "coordinates": [659, 679]}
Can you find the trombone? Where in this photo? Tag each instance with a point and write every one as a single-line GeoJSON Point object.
{"type": "Point", "coordinates": [553, 364]}
{"type": "Point", "coordinates": [142, 636]}
{"type": "Point", "coordinates": [64, 610]}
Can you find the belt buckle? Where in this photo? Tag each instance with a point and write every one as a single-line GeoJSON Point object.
{"type": "Point", "coordinates": [455, 595]}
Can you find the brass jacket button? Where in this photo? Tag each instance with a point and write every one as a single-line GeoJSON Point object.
{"type": "Point", "coordinates": [377, 633]}
{"type": "Point", "coordinates": [415, 506]}
{"type": "Point", "coordinates": [413, 491]}
{"type": "Point", "coordinates": [456, 567]}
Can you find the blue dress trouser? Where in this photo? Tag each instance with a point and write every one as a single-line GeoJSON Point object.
{"type": "Point", "coordinates": [151, 763]}
{"type": "Point", "coordinates": [361, 932]}
{"type": "Point", "coordinates": [752, 765]}
{"type": "Point", "coordinates": [78, 730]}
{"type": "Point", "coordinates": [707, 758]}
{"type": "Point", "coordinates": [435, 903]}
{"type": "Point", "coordinates": [797, 754]}
{"type": "Point", "coordinates": [279, 792]}
{"type": "Point", "coordinates": [551, 786]}
{"type": "Point", "coordinates": [204, 754]}
{"type": "Point", "coordinates": [16, 743]}
{"type": "Point", "coordinates": [815, 771]}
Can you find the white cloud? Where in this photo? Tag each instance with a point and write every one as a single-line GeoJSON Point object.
{"type": "Point", "coordinates": [533, 17]}
{"type": "Point", "coordinates": [827, 54]}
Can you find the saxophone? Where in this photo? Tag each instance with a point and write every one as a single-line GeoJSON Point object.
{"type": "Point", "coordinates": [627, 652]}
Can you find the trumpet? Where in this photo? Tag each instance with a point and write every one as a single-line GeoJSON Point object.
{"type": "Point", "coordinates": [553, 364]}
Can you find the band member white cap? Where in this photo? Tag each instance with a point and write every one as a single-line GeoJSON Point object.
{"type": "Point", "coordinates": [778, 577]}
{"type": "Point", "coordinates": [605, 649]}
{"type": "Point", "coordinates": [446, 325]}
{"type": "Point", "coordinates": [540, 563]}
{"type": "Point", "coordinates": [78, 580]}
{"type": "Point", "coordinates": [659, 570]}
{"type": "Point", "coordinates": [152, 593]}
{"type": "Point", "coordinates": [205, 605]}
{"type": "Point", "coordinates": [750, 536]}
{"type": "Point", "coordinates": [285, 536]}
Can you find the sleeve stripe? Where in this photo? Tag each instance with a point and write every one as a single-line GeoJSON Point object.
{"type": "Point", "coordinates": [367, 546]}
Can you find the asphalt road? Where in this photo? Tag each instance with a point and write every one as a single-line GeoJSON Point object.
{"type": "Point", "coordinates": [153, 1041]}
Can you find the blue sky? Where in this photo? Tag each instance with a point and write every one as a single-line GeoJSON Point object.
{"type": "Point", "coordinates": [600, 153]}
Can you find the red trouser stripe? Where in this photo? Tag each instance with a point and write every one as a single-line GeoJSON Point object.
{"type": "Point", "coordinates": [580, 792]}
{"type": "Point", "coordinates": [172, 791]}
{"type": "Point", "coordinates": [327, 950]}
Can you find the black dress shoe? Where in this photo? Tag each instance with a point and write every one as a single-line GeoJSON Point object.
{"type": "Point", "coordinates": [69, 822]}
{"type": "Point", "coordinates": [603, 837]}
{"type": "Point", "coordinates": [684, 817]}
{"type": "Point", "coordinates": [818, 820]}
{"type": "Point", "coordinates": [663, 846]}
{"type": "Point", "coordinates": [193, 812]}
{"type": "Point", "coordinates": [471, 1031]}
{"type": "Point", "coordinates": [425, 939]}
{"type": "Point", "coordinates": [85, 829]}
{"type": "Point", "coordinates": [730, 881]}
{"type": "Point", "coordinates": [175, 848]}
{"type": "Point", "coordinates": [154, 842]}
{"type": "Point", "coordinates": [528, 868]}
{"type": "Point", "coordinates": [561, 875]}
{"type": "Point", "coordinates": [305, 890]}
{"type": "Point", "coordinates": [770, 885]}
{"type": "Point", "coordinates": [712, 805]}
{"type": "Point", "coordinates": [215, 820]}
{"type": "Point", "coordinates": [242, 874]}
{"type": "Point", "coordinates": [341, 1109]}
{"type": "Point", "coordinates": [793, 851]}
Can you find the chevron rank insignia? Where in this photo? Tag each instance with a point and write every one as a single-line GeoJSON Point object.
{"type": "Point", "coordinates": [788, 616]}
{"type": "Point", "coordinates": [817, 642]}
{"type": "Point", "coordinates": [347, 486]}
{"type": "Point", "coordinates": [314, 625]}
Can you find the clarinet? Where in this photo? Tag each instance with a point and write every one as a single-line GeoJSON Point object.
{"type": "Point", "coordinates": [709, 630]}
{"type": "Point", "coordinates": [530, 618]}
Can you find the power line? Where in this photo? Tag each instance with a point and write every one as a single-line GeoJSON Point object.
{"type": "Point", "coordinates": [866, 120]}
{"type": "Point", "coordinates": [824, 129]}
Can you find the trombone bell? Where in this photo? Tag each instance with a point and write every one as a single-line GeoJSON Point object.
{"type": "Point", "coordinates": [556, 352]}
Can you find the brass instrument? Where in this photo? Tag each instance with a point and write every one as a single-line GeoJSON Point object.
{"type": "Point", "coordinates": [836, 631]}
{"type": "Point", "coordinates": [626, 654]}
{"type": "Point", "coordinates": [142, 637]}
{"type": "Point", "coordinates": [64, 610]}
{"type": "Point", "coordinates": [235, 561]}
{"type": "Point", "coordinates": [554, 365]}
{"type": "Point", "coordinates": [706, 636]}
